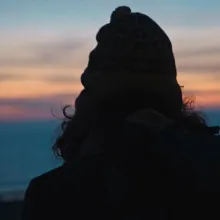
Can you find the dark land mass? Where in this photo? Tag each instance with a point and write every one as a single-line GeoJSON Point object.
{"type": "Point", "coordinates": [11, 210]}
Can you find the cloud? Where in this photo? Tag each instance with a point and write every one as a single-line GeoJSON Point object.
{"type": "Point", "coordinates": [194, 49]}
{"type": "Point", "coordinates": [45, 107]}
{"type": "Point", "coordinates": [65, 52]}
{"type": "Point", "coordinates": [58, 52]}
{"type": "Point", "coordinates": [61, 79]}
{"type": "Point", "coordinates": [39, 102]}
{"type": "Point", "coordinates": [199, 67]}
{"type": "Point", "coordinates": [207, 51]}
{"type": "Point", "coordinates": [9, 77]}
{"type": "Point", "coordinates": [63, 45]}
{"type": "Point", "coordinates": [198, 92]}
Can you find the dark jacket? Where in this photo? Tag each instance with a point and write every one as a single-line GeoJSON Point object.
{"type": "Point", "coordinates": [140, 169]}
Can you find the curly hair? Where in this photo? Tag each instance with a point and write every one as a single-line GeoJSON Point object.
{"type": "Point", "coordinates": [76, 127]}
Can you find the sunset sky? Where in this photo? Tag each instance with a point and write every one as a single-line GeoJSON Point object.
{"type": "Point", "coordinates": [44, 47]}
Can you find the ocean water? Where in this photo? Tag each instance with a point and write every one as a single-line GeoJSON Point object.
{"type": "Point", "coordinates": [25, 150]}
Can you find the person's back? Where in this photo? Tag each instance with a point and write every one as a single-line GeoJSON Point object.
{"type": "Point", "coordinates": [132, 148]}
{"type": "Point", "coordinates": [141, 174]}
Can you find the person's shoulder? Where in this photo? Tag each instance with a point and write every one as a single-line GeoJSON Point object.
{"type": "Point", "coordinates": [46, 187]}
{"type": "Point", "coordinates": [43, 193]}
{"type": "Point", "coordinates": [46, 182]}
{"type": "Point", "coordinates": [49, 176]}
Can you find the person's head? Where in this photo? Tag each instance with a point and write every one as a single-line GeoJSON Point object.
{"type": "Point", "coordinates": [132, 67]}
{"type": "Point", "coordinates": [133, 55]}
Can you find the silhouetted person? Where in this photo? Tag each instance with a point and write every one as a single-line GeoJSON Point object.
{"type": "Point", "coordinates": [133, 149]}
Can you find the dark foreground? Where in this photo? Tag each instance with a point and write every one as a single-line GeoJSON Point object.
{"type": "Point", "coordinates": [10, 210]}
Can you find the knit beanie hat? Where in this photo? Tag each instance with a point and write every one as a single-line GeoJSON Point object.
{"type": "Point", "coordinates": [132, 52]}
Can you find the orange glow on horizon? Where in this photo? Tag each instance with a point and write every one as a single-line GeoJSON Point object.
{"type": "Point", "coordinates": [10, 110]}
{"type": "Point", "coordinates": [8, 113]}
{"type": "Point", "coordinates": [32, 89]}
{"type": "Point", "coordinates": [203, 86]}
